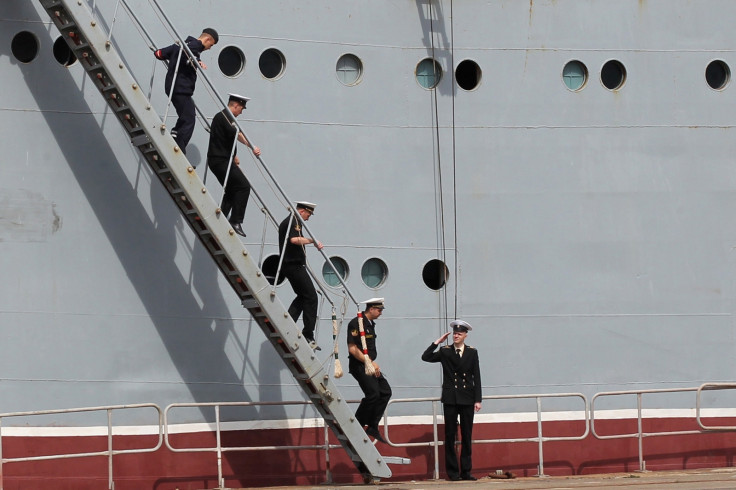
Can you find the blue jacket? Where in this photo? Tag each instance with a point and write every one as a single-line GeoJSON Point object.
{"type": "Point", "coordinates": [187, 76]}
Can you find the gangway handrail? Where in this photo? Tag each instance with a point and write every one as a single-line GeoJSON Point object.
{"type": "Point", "coordinates": [110, 452]}
{"type": "Point", "coordinates": [274, 181]}
{"type": "Point", "coordinates": [540, 438]}
{"type": "Point", "coordinates": [262, 204]}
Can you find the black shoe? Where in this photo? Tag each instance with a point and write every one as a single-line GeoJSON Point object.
{"type": "Point", "coordinates": [453, 478]}
{"type": "Point", "coordinates": [373, 432]}
{"type": "Point", "coordinates": [468, 476]}
{"type": "Point", "coordinates": [238, 229]}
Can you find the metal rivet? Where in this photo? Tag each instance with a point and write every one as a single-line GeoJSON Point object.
{"type": "Point", "coordinates": [232, 232]}
{"type": "Point", "coordinates": [190, 169]}
{"type": "Point", "coordinates": [245, 253]}
{"type": "Point", "coordinates": [204, 190]}
{"type": "Point", "coordinates": [135, 86]}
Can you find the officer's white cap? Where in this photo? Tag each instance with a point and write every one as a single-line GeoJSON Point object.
{"type": "Point", "coordinates": [460, 326]}
{"type": "Point", "coordinates": [309, 206]}
{"type": "Point", "coordinates": [374, 303]}
{"type": "Point", "coordinates": [240, 99]}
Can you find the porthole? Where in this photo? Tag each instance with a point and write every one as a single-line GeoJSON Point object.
{"type": "Point", "coordinates": [429, 73]}
{"type": "Point", "coordinates": [717, 74]}
{"type": "Point", "coordinates": [349, 69]}
{"type": "Point", "coordinates": [24, 46]}
{"type": "Point", "coordinates": [329, 274]}
{"type": "Point", "coordinates": [435, 274]}
{"type": "Point", "coordinates": [374, 273]}
{"type": "Point", "coordinates": [575, 75]}
{"type": "Point", "coordinates": [62, 53]}
{"type": "Point", "coordinates": [613, 75]}
{"type": "Point", "coordinates": [272, 63]}
{"type": "Point", "coordinates": [231, 61]}
{"type": "Point", "coordinates": [269, 268]}
{"type": "Point", "coordinates": [468, 75]}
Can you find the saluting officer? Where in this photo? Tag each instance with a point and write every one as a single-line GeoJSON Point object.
{"type": "Point", "coordinates": [461, 395]}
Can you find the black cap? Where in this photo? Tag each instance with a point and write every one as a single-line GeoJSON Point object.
{"type": "Point", "coordinates": [211, 32]}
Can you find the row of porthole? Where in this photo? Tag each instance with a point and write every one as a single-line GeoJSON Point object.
{"type": "Point", "coordinates": [373, 272]}
{"type": "Point", "coordinates": [613, 75]}
{"type": "Point", "coordinates": [349, 68]}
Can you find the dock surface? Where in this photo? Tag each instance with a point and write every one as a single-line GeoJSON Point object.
{"type": "Point", "coordinates": [720, 478]}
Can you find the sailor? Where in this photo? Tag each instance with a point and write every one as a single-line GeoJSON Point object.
{"type": "Point", "coordinates": [181, 79]}
{"type": "Point", "coordinates": [461, 395]}
{"type": "Point", "coordinates": [294, 268]}
{"type": "Point", "coordinates": [222, 144]}
{"type": "Point", "coordinates": [376, 390]}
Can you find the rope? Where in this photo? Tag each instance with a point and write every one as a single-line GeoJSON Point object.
{"type": "Point", "coordinates": [442, 245]}
{"type": "Point", "coordinates": [369, 369]}
{"type": "Point", "coordinates": [335, 331]}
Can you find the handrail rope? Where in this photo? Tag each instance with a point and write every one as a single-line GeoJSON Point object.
{"type": "Point", "coordinates": [454, 163]}
{"type": "Point", "coordinates": [168, 25]}
{"type": "Point", "coordinates": [443, 297]}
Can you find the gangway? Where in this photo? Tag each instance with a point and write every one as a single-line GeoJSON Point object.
{"type": "Point", "coordinates": [109, 73]}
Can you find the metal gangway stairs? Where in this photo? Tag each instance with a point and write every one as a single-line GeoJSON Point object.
{"type": "Point", "coordinates": [108, 72]}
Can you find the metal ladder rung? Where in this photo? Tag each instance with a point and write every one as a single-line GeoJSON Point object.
{"type": "Point", "coordinates": [250, 303]}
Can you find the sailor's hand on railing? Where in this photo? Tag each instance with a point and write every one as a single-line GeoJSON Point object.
{"type": "Point", "coordinates": [201, 63]}
{"type": "Point", "coordinates": [236, 160]}
{"type": "Point", "coordinates": [256, 151]}
{"type": "Point", "coordinates": [318, 244]}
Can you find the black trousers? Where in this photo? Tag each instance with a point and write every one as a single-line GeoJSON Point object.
{"type": "Point", "coordinates": [237, 190]}
{"type": "Point", "coordinates": [184, 127]}
{"type": "Point", "coordinates": [377, 394]}
{"type": "Point", "coordinates": [306, 297]}
{"type": "Point", "coordinates": [466, 414]}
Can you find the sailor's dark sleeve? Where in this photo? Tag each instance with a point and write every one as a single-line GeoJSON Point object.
{"type": "Point", "coordinates": [476, 375]}
{"type": "Point", "coordinates": [430, 355]}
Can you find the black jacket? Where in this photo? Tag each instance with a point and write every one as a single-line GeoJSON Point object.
{"type": "Point", "coordinates": [461, 383]}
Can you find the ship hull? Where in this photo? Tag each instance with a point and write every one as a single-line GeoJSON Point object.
{"type": "Point", "coordinates": [586, 233]}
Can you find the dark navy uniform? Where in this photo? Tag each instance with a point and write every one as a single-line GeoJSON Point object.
{"type": "Point", "coordinates": [222, 137]}
{"type": "Point", "coordinates": [461, 389]}
{"type": "Point", "coordinates": [376, 390]}
{"type": "Point", "coordinates": [183, 87]}
{"type": "Point", "coordinates": [294, 268]}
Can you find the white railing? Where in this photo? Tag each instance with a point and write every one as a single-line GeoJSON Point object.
{"type": "Point", "coordinates": [640, 434]}
{"type": "Point", "coordinates": [164, 427]}
{"type": "Point", "coordinates": [540, 439]}
{"type": "Point", "coordinates": [109, 452]}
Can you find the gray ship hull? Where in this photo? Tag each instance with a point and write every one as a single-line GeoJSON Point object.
{"type": "Point", "coordinates": [586, 233]}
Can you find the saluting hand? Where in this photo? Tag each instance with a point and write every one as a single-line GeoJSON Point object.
{"type": "Point", "coordinates": [442, 339]}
